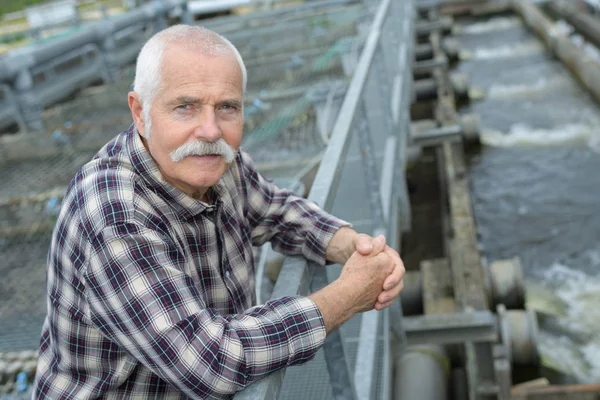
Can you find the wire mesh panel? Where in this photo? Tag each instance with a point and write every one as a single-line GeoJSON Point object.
{"type": "Point", "coordinates": [300, 67]}
{"type": "Point", "coordinates": [287, 59]}
{"type": "Point", "coordinates": [365, 153]}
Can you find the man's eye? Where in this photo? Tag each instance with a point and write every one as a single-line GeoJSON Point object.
{"type": "Point", "coordinates": [228, 108]}
{"type": "Point", "coordinates": [183, 107]}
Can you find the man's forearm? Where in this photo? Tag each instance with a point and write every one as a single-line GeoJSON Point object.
{"type": "Point", "coordinates": [335, 305]}
{"type": "Point", "coordinates": [341, 245]}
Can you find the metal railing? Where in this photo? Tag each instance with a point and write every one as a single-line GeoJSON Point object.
{"type": "Point", "coordinates": [94, 52]}
{"type": "Point", "coordinates": [9, 108]}
{"type": "Point", "coordinates": [117, 41]}
{"type": "Point", "coordinates": [376, 110]}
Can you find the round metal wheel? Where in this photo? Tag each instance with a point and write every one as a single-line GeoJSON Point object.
{"type": "Point", "coordinates": [470, 127]}
{"type": "Point", "coordinates": [519, 332]}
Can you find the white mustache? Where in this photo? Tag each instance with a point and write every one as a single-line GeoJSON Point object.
{"type": "Point", "coordinates": [200, 148]}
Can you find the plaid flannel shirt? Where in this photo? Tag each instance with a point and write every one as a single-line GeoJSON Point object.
{"type": "Point", "coordinates": [150, 292]}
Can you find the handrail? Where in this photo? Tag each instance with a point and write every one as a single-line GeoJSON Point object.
{"type": "Point", "coordinates": [16, 65]}
{"type": "Point", "coordinates": [17, 68]}
{"type": "Point", "coordinates": [296, 273]}
{"type": "Point", "coordinates": [242, 21]}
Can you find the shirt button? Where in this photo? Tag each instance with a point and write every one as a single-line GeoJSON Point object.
{"type": "Point", "coordinates": [227, 274]}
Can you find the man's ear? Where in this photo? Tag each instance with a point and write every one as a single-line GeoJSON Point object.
{"type": "Point", "coordinates": [137, 113]}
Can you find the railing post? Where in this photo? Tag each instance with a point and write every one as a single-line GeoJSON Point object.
{"type": "Point", "coordinates": [404, 79]}
{"type": "Point", "coordinates": [186, 16]}
{"type": "Point", "coordinates": [342, 385]}
{"type": "Point", "coordinates": [28, 101]}
{"type": "Point", "coordinates": [160, 20]}
{"type": "Point", "coordinates": [109, 48]}
{"type": "Point", "coordinates": [365, 362]}
{"type": "Point", "coordinates": [372, 177]}
{"type": "Point", "coordinates": [11, 107]}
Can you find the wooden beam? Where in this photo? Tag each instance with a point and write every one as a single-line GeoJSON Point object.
{"type": "Point", "coordinates": [438, 291]}
{"type": "Point", "coordinates": [469, 283]}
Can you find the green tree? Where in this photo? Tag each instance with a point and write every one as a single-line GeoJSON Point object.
{"type": "Point", "coordinates": [8, 6]}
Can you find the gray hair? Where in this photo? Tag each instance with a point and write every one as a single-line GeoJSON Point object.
{"type": "Point", "coordinates": [148, 79]}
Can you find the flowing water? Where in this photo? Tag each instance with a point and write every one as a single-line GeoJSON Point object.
{"type": "Point", "coordinates": [536, 184]}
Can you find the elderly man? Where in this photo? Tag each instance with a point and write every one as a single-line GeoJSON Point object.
{"type": "Point", "coordinates": [150, 271]}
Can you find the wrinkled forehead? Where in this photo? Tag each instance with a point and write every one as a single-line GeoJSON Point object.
{"type": "Point", "coordinates": [190, 60]}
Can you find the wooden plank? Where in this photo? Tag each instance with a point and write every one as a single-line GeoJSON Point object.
{"type": "Point", "coordinates": [438, 296]}
{"type": "Point", "coordinates": [469, 283]}
{"type": "Point", "coordinates": [558, 392]}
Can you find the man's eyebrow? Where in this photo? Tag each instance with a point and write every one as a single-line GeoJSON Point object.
{"type": "Point", "coordinates": [194, 100]}
{"type": "Point", "coordinates": [232, 102]}
{"type": "Point", "coordinates": [186, 100]}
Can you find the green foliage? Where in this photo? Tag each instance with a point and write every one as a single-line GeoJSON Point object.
{"type": "Point", "coordinates": [10, 39]}
{"type": "Point", "coordinates": [8, 6]}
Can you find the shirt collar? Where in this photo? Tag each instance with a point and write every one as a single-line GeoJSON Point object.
{"type": "Point", "coordinates": [143, 163]}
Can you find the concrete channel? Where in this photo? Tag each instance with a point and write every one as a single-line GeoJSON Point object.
{"type": "Point", "coordinates": [361, 106]}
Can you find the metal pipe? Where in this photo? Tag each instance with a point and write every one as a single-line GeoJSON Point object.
{"type": "Point", "coordinates": [135, 16]}
{"type": "Point", "coordinates": [422, 374]}
{"type": "Point", "coordinates": [6, 72]}
{"type": "Point", "coordinates": [468, 129]}
{"type": "Point", "coordinates": [425, 27]}
{"type": "Point", "coordinates": [423, 52]}
{"type": "Point", "coordinates": [425, 89]}
{"type": "Point", "coordinates": [57, 47]}
{"type": "Point", "coordinates": [206, 7]}
{"type": "Point", "coordinates": [35, 55]}
{"type": "Point", "coordinates": [438, 135]}
{"type": "Point", "coordinates": [236, 21]}
{"type": "Point", "coordinates": [586, 24]}
{"type": "Point", "coordinates": [422, 67]}
{"type": "Point", "coordinates": [583, 66]}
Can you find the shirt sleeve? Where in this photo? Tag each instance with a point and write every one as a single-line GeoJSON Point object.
{"type": "Point", "coordinates": [140, 298]}
{"type": "Point", "coordinates": [294, 225]}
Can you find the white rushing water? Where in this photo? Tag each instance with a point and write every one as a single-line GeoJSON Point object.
{"type": "Point", "coordinates": [492, 25]}
{"type": "Point", "coordinates": [536, 184]}
{"type": "Point", "coordinates": [530, 89]}
{"type": "Point", "coordinates": [518, 50]}
{"type": "Point", "coordinates": [575, 347]}
{"type": "Point", "coordinates": [523, 135]}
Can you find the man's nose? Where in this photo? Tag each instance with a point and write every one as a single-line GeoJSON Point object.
{"type": "Point", "coordinates": [208, 126]}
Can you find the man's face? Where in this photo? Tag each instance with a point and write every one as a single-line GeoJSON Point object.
{"type": "Point", "coordinates": [201, 100]}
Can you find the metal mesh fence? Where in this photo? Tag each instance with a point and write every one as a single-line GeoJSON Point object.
{"type": "Point", "coordinates": [298, 64]}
